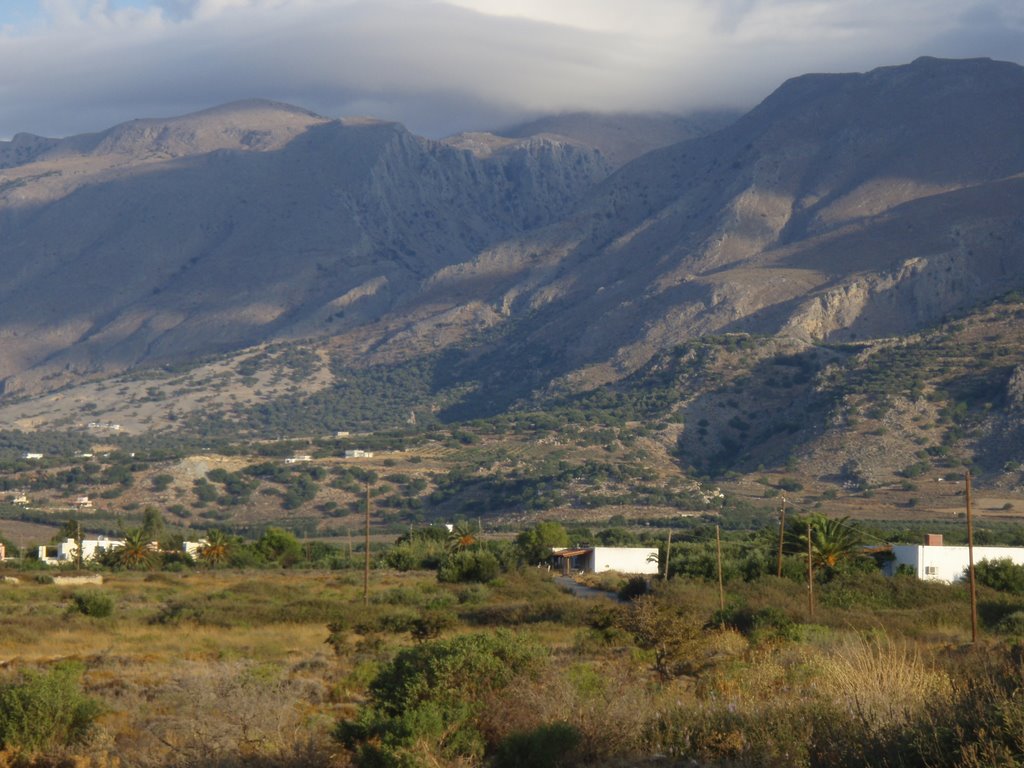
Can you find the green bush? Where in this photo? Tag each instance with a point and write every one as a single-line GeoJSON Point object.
{"type": "Point", "coordinates": [766, 623]}
{"type": "Point", "coordinates": [469, 565]}
{"type": "Point", "coordinates": [1003, 575]}
{"type": "Point", "coordinates": [45, 710]}
{"type": "Point", "coordinates": [93, 603]}
{"type": "Point", "coordinates": [544, 747]}
{"type": "Point", "coordinates": [425, 704]}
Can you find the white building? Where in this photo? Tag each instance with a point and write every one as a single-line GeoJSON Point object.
{"type": "Point", "coordinates": [67, 550]}
{"type": "Point", "coordinates": [358, 454]}
{"type": "Point", "coordinates": [298, 459]}
{"type": "Point", "coordinates": [193, 548]}
{"type": "Point", "coordinates": [935, 562]}
{"type": "Point", "coordinates": [30, 455]}
{"type": "Point", "coordinates": [638, 560]}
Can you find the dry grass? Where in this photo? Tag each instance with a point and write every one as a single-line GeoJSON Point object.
{"type": "Point", "coordinates": [879, 677]}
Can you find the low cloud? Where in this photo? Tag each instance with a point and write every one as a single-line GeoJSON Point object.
{"type": "Point", "coordinates": [440, 67]}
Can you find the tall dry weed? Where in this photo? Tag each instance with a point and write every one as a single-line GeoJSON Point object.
{"type": "Point", "coordinates": [879, 678]}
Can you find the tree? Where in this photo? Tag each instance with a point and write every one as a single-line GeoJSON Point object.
{"type": "Point", "coordinates": [278, 545]}
{"type": "Point", "coordinates": [535, 543]}
{"type": "Point", "coordinates": [216, 549]}
{"type": "Point", "coordinates": [137, 551]}
{"type": "Point", "coordinates": [461, 537]}
{"type": "Point", "coordinates": [833, 540]}
{"type": "Point", "coordinates": [152, 523]}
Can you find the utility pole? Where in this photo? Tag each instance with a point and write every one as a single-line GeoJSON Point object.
{"type": "Point", "coordinates": [668, 552]}
{"type": "Point", "coordinates": [782, 530]}
{"type": "Point", "coordinates": [366, 560]}
{"type": "Point", "coordinates": [718, 547]}
{"type": "Point", "coordinates": [78, 543]}
{"type": "Point", "coordinates": [810, 575]}
{"type": "Point", "coordinates": [970, 559]}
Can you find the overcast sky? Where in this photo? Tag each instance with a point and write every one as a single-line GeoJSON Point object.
{"type": "Point", "coordinates": [71, 66]}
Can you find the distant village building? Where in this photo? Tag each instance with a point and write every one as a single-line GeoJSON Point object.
{"type": "Point", "coordinates": [933, 561]}
{"type": "Point", "coordinates": [634, 560]}
{"type": "Point", "coordinates": [193, 548]}
{"type": "Point", "coordinates": [30, 455]}
{"type": "Point", "coordinates": [358, 454]}
{"type": "Point", "coordinates": [82, 502]}
{"type": "Point", "coordinates": [298, 459]}
{"type": "Point", "coordinates": [20, 498]}
{"type": "Point", "coordinates": [341, 433]}
{"type": "Point", "coordinates": [67, 550]}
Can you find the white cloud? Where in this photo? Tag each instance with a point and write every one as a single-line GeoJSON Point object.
{"type": "Point", "coordinates": [443, 66]}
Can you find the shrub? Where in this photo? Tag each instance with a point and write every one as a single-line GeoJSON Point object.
{"type": "Point", "coordinates": [426, 703]}
{"type": "Point", "coordinates": [544, 747]}
{"type": "Point", "coordinates": [45, 710]}
{"type": "Point", "coordinates": [635, 587]}
{"type": "Point", "coordinates": [767, 623]}
{"type": "Point", "coordinates": [93, 603]}
{"type": "Point", "coordinates": [1003, 575]}
{"type": "Point", "coordinates": [469, 565]}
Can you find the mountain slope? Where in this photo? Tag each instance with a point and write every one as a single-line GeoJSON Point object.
{"type": "Point", "coordinates": [842, 206]}
{"type": "Point", "coordinates": [164, 240]}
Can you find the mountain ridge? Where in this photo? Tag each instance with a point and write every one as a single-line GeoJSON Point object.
{"type": "Point", "coordinates": [811, 217]}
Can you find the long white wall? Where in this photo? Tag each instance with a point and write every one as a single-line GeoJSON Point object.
{"type": "Point", "coordinates": [947, 563]}
{"type": "Point", "coordinates": [641, 560]}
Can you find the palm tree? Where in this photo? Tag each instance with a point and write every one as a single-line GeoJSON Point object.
{"type": "Point", "coordinates": [462, 536]}
{"type": "Point", "coordinates": [833, 540]}
{"type": "Point", "coordinates": [216, 549]}
{"type": "Point", "coordinates": [137, 550]}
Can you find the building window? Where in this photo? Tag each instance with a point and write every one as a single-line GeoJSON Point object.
{"type": "Point", "coordinates": [930, 570]}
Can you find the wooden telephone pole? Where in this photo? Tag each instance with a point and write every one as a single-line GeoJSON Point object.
{"type": "Point", "coordinates": [366, 559]}
{"type": "Point", "coordinates": [970, 559]}
{"type": "Point", "coordinates": [668, 552]}
{"type": "Point", "coordinates": [721, 588]}
{"type": "Point", "coordinates": [810, 575]}
{"type": "Point", "coordinates": [782, 531]}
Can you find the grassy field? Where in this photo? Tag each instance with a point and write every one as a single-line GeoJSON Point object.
{"type": "Point", "coordinates": [289, 668]}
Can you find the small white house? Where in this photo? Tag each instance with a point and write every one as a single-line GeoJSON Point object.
{"type": "Point", "coordinates": [358, 454]}
{"type": "Point", "coordinates": [638, 560]}
{"type": "Point", "coordinates": [298, 459]}
{"type": "Point", "coordinates": [193, 548]}
{"type": "Point", "coordinates": [30, 455]}
{"type": "Point", "coordinates": [67, 550]}
{"type": "Point", "coordinates": [935, 562]}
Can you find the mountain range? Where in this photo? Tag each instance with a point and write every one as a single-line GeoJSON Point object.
{"type": "Point", "coordinates": [547, 258]}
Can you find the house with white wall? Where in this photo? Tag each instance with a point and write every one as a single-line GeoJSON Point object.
{"type": "Point", "coordinates": [638, 560]}
{"type": "Point", "coordinates": [67, 551]}
{"type": "Point", "coordinates": [933, 561]}
{"type": "Point", "coordinates": [194, 548]}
